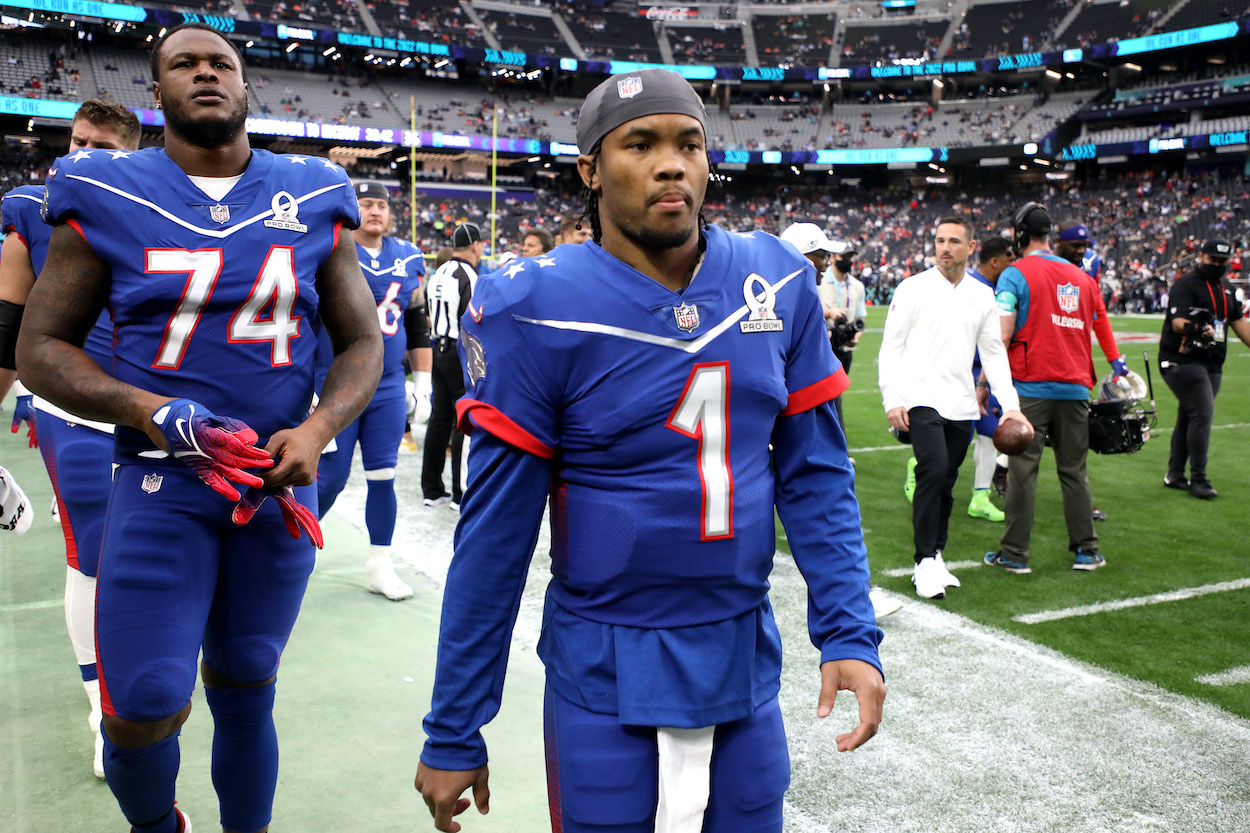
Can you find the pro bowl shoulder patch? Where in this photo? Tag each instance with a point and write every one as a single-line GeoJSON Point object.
{"type": "Point", "coordinates": [475, 356]}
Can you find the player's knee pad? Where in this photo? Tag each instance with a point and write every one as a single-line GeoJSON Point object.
{"type": "Point", "coordinates": [601, 776]}
{"type": "Point", "coordinates": [750, 773]}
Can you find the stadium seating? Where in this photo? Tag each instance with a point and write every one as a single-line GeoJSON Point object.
{"type": "Point", "coordinates": [792, 40]}
{"type": "Point", "coordinates": [868, 43]}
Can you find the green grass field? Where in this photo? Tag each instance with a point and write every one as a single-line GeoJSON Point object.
{"type": "Point", "coordinates": [1156, 540]}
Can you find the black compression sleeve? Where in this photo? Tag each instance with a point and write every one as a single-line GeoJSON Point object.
{"type": "Point", "coordinates": [417, 328]}
{"type": "Point", "coordinates": [10, 323]}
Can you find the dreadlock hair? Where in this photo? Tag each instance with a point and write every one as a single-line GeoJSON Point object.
{"type": "Point", "coordinates": [591, 199]}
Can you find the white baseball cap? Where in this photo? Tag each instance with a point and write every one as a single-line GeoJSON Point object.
{"type": "Point", "coordinates": [808, 238]}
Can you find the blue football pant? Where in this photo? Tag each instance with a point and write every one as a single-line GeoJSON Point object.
{"type": "Point", "coordinates": [177, 574]}
{"type": "Point", "coordinates": [603, 777]}
{"type": "Point", "coordinates": [378, 430]}
{"type": "Point", "coordinates": [79, 463]}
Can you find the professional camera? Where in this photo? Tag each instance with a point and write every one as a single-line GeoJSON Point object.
{"type": "Point", "coordinates": [1198, 344]}
{"type": "Point", "coordinates": [844, 331]}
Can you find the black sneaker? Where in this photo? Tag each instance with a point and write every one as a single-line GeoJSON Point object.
{"type": "Point", "coordinates": [1202, 489]}
{"type": "Point", "coordinates": [1176, 481]}
{"type": "Point", "coordinates": [1000, 480]}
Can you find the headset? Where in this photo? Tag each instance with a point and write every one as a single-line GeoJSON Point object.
{"type": "Point", "coordinates": [1027, 224]}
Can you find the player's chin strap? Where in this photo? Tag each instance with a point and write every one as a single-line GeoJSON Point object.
{"type": "Point", "coordinates": [296, 514]}
{"type": "Point", "coordinates": [685, 778]}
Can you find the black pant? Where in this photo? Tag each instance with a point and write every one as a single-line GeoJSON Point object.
{"type": "Point", "coordinates": [447, 381]}
{"type": "Point", "coordinates": [939, 446]}
{"type": "Point", "coordinates": [1195, 386]}
{"type": "Point", "coordinates": [844, 357]}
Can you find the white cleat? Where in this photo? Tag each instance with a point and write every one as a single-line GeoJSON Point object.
{"type": "Point", "coordinates": [929, 580]}
{"type": "Point", "coordinates": [380, 578]}
{"type": "Point", "coordinates": [948, 578]}
{"type": "Point", "coordinates": [882, 605]}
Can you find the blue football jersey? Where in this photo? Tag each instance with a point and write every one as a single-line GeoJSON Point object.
{"type": "Point", "coordinates": [658, 409]}
{"type": "Point", "coordinates": [212, 300]}
{"type": "Point", "coordinates": [393, 276]}
{"type": "Point", "coordinates": [1091, 263]}
{"type": "Point", "coordinates": [21, 217]}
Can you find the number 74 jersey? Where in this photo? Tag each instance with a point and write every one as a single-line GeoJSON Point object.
{"type": "Point", "coordinates": [212, 300]}
{"type": "Point", "coordinates": [657, 409]}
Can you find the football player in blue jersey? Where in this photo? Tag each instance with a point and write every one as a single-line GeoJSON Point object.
{"type": "Point", "coordinates": [227, 261]}
{"type": "Point", "coordinates": [393, 269]}
{"type": "Point", "coordinates": [76, 452]}
{"type": "Point", "coordinates": [666, 386]}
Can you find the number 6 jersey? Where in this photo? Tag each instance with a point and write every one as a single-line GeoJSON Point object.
{"type": "Point", "coordinates": [212, 300]}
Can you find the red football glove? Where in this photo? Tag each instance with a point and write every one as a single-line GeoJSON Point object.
{"type": "Point", "coordinates": [24, 411]}
{"type": "Point", "coordinates": [296, 514]}
{"type": "Point", "coordinates": [216, 448]}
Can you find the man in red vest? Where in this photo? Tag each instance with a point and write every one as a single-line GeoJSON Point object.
{"type": "Point", "coordinates": [1048, 310]}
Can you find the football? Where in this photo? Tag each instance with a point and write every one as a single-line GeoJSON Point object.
{"type": "Point", "coordinates": [1012, 436]}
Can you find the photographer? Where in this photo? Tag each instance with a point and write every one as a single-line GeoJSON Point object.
{"type": "Point", "coordinates": [1192, 348]}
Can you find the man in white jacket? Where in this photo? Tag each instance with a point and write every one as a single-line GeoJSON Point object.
{"type": "Point", "coordinates": [937, 320]}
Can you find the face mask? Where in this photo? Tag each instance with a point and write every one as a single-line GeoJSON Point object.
{"type": "Point", "coordinates": [1212, 272]}
{"type": "Point", "coordinates": [843, 266]}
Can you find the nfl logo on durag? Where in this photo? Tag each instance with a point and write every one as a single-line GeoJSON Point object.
{"type": "Point", "coordinates": [687, 316]}
{"type": "Point", "coordinates": [629, 87]}
{"type": "Point", "coordinates": [219, 213]}
{"type": "Point", "coordinates": [151, 483]}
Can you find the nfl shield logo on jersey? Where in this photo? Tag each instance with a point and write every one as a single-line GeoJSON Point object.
{"type": "Point", "coordinates": [1069, 297]}
{"type": "Point", "coordinates": [219, 213]}
{"type": "Point", "coordinates": [151, 483]}
{"type": "Point", "coordinates": [687, 316]}
{"type": "Point", "coordinates": [629, 87]}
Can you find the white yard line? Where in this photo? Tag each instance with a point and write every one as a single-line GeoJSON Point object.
{"type": "Point", "coordinates": [1136, 601]}
{"type": "Point", "coordinates": [901, 572]}
{"type": "Point", "coordinates": [1233, 676]}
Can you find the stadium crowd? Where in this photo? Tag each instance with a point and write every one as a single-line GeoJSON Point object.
{"type": "Point", "coordinates": [1146, 226]}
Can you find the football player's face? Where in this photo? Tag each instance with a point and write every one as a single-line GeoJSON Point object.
{"type": "Point", "coordinates": [201, 88]}
{"type": "Point", "coordinates": [375, 216]}
{"type": "Point", "coordinates": [531, 246]}
{"type": "Point", "coordinates": [85, 135]}
{"type": "Point", "coordinates": [1072, 251]}
{"type": "Point", "coordinates": [651, 179]}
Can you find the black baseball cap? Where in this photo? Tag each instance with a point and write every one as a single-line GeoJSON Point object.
{"type": "Point", "coordinates": [465, 235]}
{"type": "Point", "coordinates": [372, 190]}
{"type": "Point", "coordinates": [1218, 248]}
{"type": "Point", "coordinates": [632, 95]}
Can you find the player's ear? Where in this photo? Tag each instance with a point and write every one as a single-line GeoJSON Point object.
{"type": "Point", "coordinates": [588, 171]}
{"type": "Point", "coordinates": [156, 93]}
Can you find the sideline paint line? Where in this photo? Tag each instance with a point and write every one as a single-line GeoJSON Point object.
{"type": "Point", "coordinates": [1137, 601]}
{"type": "Point", "coordinates": [902, 572]}
{"type": "Point", "coordinates": [25, 606]}
{"type": "Point", "coordinates": [1233, 676]}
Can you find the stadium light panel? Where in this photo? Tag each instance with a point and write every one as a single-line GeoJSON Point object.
{"type": "Point", "coordinates": [292, 47]}
{"type": "Point", "coordinates": [327, 51]}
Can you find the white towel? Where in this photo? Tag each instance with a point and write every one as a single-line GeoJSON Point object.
{"type": "Point", "coordinates": [685, 778]}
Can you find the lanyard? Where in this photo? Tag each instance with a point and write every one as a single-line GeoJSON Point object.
{"type": "Point", "coordinates": [1211, 292]}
